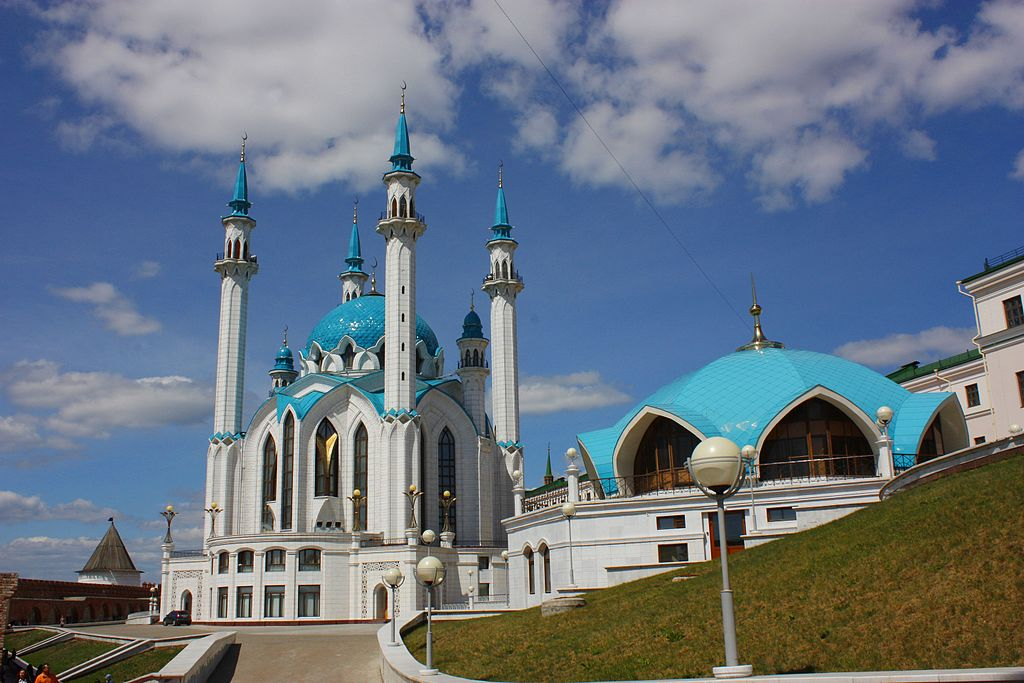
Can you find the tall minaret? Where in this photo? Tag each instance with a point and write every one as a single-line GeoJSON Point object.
{"type": "Point", "coordinates": [400, 227]}
{"type": "Point", "coordinates": [503, 284]}
{"type": "Point", "coordinates": [473, 368]}
{"type": "Point", "coordinates": [237, 265]}
{"type": "Point", "coordinates": [353, 279]}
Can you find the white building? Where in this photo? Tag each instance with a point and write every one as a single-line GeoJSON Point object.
{"type": "Point", "coordinates": [988, 379]}
{"type": "Point", "coordinates": [308, 502]}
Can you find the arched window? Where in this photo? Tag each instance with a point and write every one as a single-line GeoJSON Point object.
{"type": "Point", "coordinates": [545, 558]}
{"type": "Point", "coordinates": [504, 270]}
{"type": "Point", "coordinates": [403, 208]}
{"type": "Point", "coordinates": [412, 208]}
{"type": "Point", "coordinates": [360, 480]}
{"type": "Point", "coordinates": [660, 462]}
{"type": "Point", "coordinates": [287, 472]}
{"type": "Point", "coordinates": [419, 364]}
{"type": "Point", "coordinates": [245, 561]}
{"type": "Point", "coordinates": [238, 250]}
{"type": "Point", "coordinates": [245, 250]}
{"type": "Point", "coordinates": [446, 474]}
{"type": "Point", "coordinates": [466, 362]}
{"type": "Point", "coordinates": [269, 482]}
{"type": "Point", "coordinates": [932, 444]}
{"type": "Point", "coordinates": [223, 562]}
{"type": "Point", "coordinates": [326, 459]}
{"type": "Point", "coordinates": [816, 439]}
{"type": "Point", "coordinates": [348, 357]}
{"type": "Point", "coordinates": [380, 356]}
{"type": "Point", "coordinates": [394, 207]}
{"type": "Point", "coordinates": [528, 554]}
{"type": "Point", "coordinates": [476, 357]}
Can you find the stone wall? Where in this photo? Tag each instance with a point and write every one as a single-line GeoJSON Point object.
{"type": "Point", "coordinates": [8, 585]}
{"type": "Point", "coordinates": [40, 601]}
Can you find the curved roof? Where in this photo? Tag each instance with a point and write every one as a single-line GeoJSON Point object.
{"type": "Point", "coordinates": [363, 320]}
{"type": "Point", "coordinates": [472, 327]}
{"type": "Point", "coordinates": [738, 395]}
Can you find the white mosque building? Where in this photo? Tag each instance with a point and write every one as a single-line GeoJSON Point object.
{"type": "Point", "coordinates": [333, 478]}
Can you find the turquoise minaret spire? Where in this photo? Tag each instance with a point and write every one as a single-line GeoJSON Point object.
{"type": "Point", "coordinates": [240, 201]}
{"type": "Point", "coordinates": [502, 229]}
{"type": "Point", "coordinates": [401, 158]}
{"type": "Point", "coordinates": [353, 278]}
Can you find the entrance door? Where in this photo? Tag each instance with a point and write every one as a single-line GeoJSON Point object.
{"type": "Point", "coordinates": [186, 602]}
{"type": "Point", "coordinates": [380, 603]}
{"type": "Point", "coordinates": [735, 527]}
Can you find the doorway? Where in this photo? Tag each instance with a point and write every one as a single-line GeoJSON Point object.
{"type": "Point", "coordinates": [380, 602]}
{"type": "Point", "coordinates": [186, 602]}
{"type": "Point", "coordinates": [735, 527]}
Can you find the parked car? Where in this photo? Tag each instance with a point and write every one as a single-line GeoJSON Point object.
{"type": "Point", "coordinates": [178, 618]}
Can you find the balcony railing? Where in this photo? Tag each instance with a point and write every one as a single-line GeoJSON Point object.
{"type": "Point", "coordinates": [251, 258]}
{"type": "Point", "coordinates": [188, 553]}
{"type": "Point", "coordinates": [419, 216]}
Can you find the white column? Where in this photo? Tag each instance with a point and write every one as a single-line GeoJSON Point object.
{"type": "Point", "coordinates": [572, 476]}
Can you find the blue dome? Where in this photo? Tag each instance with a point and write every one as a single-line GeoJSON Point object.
{"type": "Point", "coordinates": [738, 395]}
{"type": "Point", "coordinates": [472, 327]}
{"type": "Point", "coordinates": [362, 319]}
{"type": "Point", "coordinates": [284, 360]}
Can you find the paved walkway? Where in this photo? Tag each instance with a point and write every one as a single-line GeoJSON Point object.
{"type": "Point", "coordinates": [346, 653]}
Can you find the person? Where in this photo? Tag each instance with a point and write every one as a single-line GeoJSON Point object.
{"type": "Point", "coordinates": [109, 678]}
{"type": "Point", "coordinates": [22, 676]}
{"type": "Point", "coordinates": [45, 676]}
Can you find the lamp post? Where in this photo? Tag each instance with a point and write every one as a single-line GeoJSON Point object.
{"type": "Point", "coordinates": [394, 578]}
{"type": "Point", "coordinates": [213, 511]}
{"type": "Point", "coordinates": [883, 417]}
{"type": "Point", "coordinates": [428, 538]}
{"type": "Point", "coordinates": [429, 574]}
{"type": "Point", "coordinates": [447, 533]}
{"type": "Point", "coordinates": [1015, 430]}
{"type": "Point", "coordinates": [569, 511]}
{"type": "Point", "coordinates": [716, 466]}
{"type": "Point", "coordinates": [508, 588]}
{"type": "Point", "coordinates": [749, 453]}
{"type": "Point", "coordinates": [357, 499]}
{"type": "Point", "coordinates": [169, 514]}
{"type": "Point", "coordinates": [413, 495]}
{"type": "Point", "coordinates": [152, 600]}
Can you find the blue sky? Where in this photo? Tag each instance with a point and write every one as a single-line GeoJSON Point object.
{"type": "Point", "coordinates": [859, 158]}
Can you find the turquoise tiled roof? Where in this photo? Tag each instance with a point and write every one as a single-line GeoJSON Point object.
{"type": "Point", "coordinates": [240, 203]}
{"type": "Point", "coordinates": [362, 319]}
{"type": "Point", "coordinates": [472, 327]}
{"type": "Point", "coordinates": [738, 395]}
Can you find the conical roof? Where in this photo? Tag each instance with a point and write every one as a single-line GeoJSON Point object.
{"type": "Point", "coordinates": [110, 554]}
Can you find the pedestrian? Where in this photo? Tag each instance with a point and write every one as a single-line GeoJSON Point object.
{"type": "Point", "coordinates": [22, 676]}
{"type": "Point", "coordinates": [45, 676]}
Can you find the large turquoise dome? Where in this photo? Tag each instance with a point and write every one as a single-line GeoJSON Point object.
{"type": "Point", "coordinates": [363, 320]}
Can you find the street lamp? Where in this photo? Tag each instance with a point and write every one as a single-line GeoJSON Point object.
{"type": "Point", "coordinates": [213, 511]}
{"type": "Point", "coordinates": [413, 495]}
{"type": "Point", "coordinates": [569, 511]}
{"type": "Point", "coordinates": [357, 499]}
{"type": "Point", "coordinates": [152, 600]}
{"type": "Point", "coordinates": [429, 574]}
{"type": "Point", "coordinates": [169, 514]}
{"type": "Point", "coordinates": [447, 501]}
{"type": "Point", "coordinates": [394, 578]}
{"type": "Point", "coordinates": [1015, 429]}
{"type": "Point", "coordinates": [749, 453]}
{"type": "Point", "coordinates": [717, 468]}
{"type": "Point", "coordinates": [508, 588]}
{"type": "Point", "coordinates": [884, 415]}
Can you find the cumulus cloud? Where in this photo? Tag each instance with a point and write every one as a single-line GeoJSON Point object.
{"type": "Point", "coordinates": [563, 393]}
{"type": "Point", "coordinates": [15, 507]}
{"type": "Point", "coordinates": [46, 557]}
{"type": "Point", "coordinates": [919, 145]}
{"type": "Point", "coordinates": [59, 407]}
{"type": "Point", "coordinates": [113, 308]}
{"type": "Point", "coordinates": [1018, 167]}
{"type": "Point", "coordinates": [147, 269]}
{"type": "Point", "coordinates": [896, 349]}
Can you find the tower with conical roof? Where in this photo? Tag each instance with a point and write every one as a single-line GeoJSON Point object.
{"type": "Point", "coordinates": [473, 370]}
{"type": "Point", "coordinates": [283, 373]}
{"type": "Point", "coordinates": [353, 279]}
{"type": "Point", "coordinates": [549, 476]}
{"type": "Point", "coordinates": [110, 562]}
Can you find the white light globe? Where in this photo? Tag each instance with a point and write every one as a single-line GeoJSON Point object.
{"type": "Point", "coordinates": [748, 452]}
{"type": "Point", "coordinates": [1015, 429]}
{"type": "Point", "coordinates": [393, 576]}
{"type": "Point", "coordinates": [568, 509]}
{"type": "Point", "coordinates": [430, 571]}
{"type": "Point", "coordinates": [884, 414]}
{"type": "Point", "coordinates": [715, 463]}
{"type": "Point", "coordinates": [504, 555]}
{"type": "Point", "coordinates": [428, 536]}
{"type": "Point", "coordinates": [572, 454]}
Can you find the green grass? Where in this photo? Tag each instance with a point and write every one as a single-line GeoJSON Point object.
{"type": "Point", "coordinates": [19, 640]}
{"type": "Point", "coordinates": [931, 578]}
{"type": "Point", "coordinates": [67, 654]}
{"type": "Point", "coordinates": [149, 661]}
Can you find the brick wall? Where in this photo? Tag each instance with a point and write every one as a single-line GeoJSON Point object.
{"type": "Point", "coordinates": [40, 601]}
{"type": "Point", "coordinates": [8, 584]}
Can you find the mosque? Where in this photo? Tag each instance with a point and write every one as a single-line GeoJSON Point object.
{"type": "Point", "coordinates": [364, 442]}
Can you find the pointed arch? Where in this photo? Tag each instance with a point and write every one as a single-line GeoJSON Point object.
{"type": "Point", "coordinates": [504, 270]}
{"type": "Point", "coordinates": [394, 207]}
{"type": "Point", "coordinates": [327, 451]}
{"type": "Point", "coordinates": [269, 483]}
{"type": "Point", "coordinates": [446, 479]}
{"type": "Point", "coordinates": [403, 208]}
{"type": "Point", "coordinates": [466, 362]}
{"type": "Point", "coordinates": [545, 560]}
{"type": "Point", "coordinates": [476, 357]}
{"type": "Point", "coordinates": [245, 250]}
{"type": "Point", "coordinates": [287, 471]}
{"type": "Point", "coordinates": [360, 468]}
{"type": "Point", "coordinates": [528, 556]}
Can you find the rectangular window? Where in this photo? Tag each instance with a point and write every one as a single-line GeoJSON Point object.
{"type": "Point", "coordinates": [223, 563]}
{"type": "Point", "coordinates": [273, 601]}
{"type": "Point", "coordinates": [673, 522]}
{"type": "Point", "coordinates": [973, 396]}
{"type": "Point", "coordinates": [1020, 387]}
{"type": "Point", "coordinates": [287, 472]}
{"type": "Point", "coordinates": [781, 515]}
{"type": "Point", "coordinates": [243, 602]}
{"type": "Point", "coordinates": [245, 562]}
{"type": "Point", "coordinates": [309, 601]}
{"type": "Point", "coordinates": [485, 590]}
{"type": "Point", "coordinates": [483, 562]}
{"type": "Point", "coordinates": [309, 560]}
{"type": "Point", "coordinates": [978, 440]}
{"type": "Point", "coordinates": [222, 603]}
{"type": "Point", "coordinates": [673, 552]}
{"type": "Point", "coordinates": [1014, 311]}
{"type": "Point", "coordinates": [275, 561]}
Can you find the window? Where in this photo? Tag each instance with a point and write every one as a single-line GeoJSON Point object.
{"type": "Point", "coordinates": [348, 357]}
{"type": "Point", "coordinates": [269, 470]}
{"type": "Point", "coordinates": [243, 602]}
{"type": "Point", "coordinates": [222, 603]}
{"type": "Point", "coordinates": [673, 552]}
{"type": "Point", "coordinates": [978, 440]}
{"type": "Point", "coordinates": [973, 397]}
{"type": "Point", "coordinates": [483, 562]}
{"type": "Point", "coordinates": [359, 472]}
{"type": "Point", "coordinates": [528, 554]}
{"type": "Point", "coordinates": [273, 601]}
{"type": "Point", "coordinates": [816, 439]}
{"type": "Point", "coordinates": [446, 474]}
{"type": "Point", "coordinates": [223, 563]}
{"type": "Point", "coordinates": [660, 462]}
{"type": "Point", "coordinates": [1020, 387]}
{"type": "Point", "coordinates": [275, 561]}
{"type": "Point", "coordinates": [781, 515]}
{"type": "Point", "coordinates": [545, 555]}
{"type": "Point", "coordinates": [309, 601]}
{"type": "Point", "coordinates": [287, 472]}
{"type": "Point", "coordinates": [673, 522]}
{"type": "Point", "coordinates": [326, 459]}
{"type": "Point", "coordinates": [309, 560]}
{"type": "Point", "coordinates": [245, 562]}
{"type": "Point", "coordinates": [485, 590]}
{"type": "Point", "coordinates": [1014, 311]}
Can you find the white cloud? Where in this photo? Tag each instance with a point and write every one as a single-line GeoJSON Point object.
{"type": "Point", "coordinates": [110, 306]}
{"type": "Point", "coordinates": [563, 393]}
{"type": "Point", "coordinates": [15, 507]}
{"type": "Point", "coordinates": [147, 269]}
{"type": "Point", "coordinates": [46, 557]}
{"type": "Point", "coordinates": [1018, 167]}
{"type": "Point", "coordinates": [69, 406]}
{"type": "Point", "coordinates": [896, 349]}
{"type": "Point", "coordinates": [919, 145]}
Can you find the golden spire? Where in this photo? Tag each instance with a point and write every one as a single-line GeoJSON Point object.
{"type": "Point", "coordinates": [284, 340]}
{"type": "Point", "coordinates": [403, 98]}
{"type": "Point", "coordinates": [355, 211]}
{"type": "Point", "coordinates": [472, 299]}
{"type": "Point", "coordinates": [245, 136]}
{"type": "Point", "coordinates": [501, 164]}
{"type": "Point", "coordinates": [759, 341]}
{"type": "Point", "coordinates": [373, 278]}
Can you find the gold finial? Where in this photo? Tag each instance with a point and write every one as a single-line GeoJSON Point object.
{"type": "Point", "coordinates": [284, 341]}
{"type": "Point", "coordinates": [759, 341]}
{"type": "Point", "coordinates": [373, 277]}
{"type": "Point", "coordinates": [472, 298]}
{"type": "Point", "coordinates": [245, 136]}
{"type": "Point", "coordinates": [501, 165]}
{"type": "Point", "coordinates": [355, 211]}
{"type": "Point", "coordinates": [403, 97]}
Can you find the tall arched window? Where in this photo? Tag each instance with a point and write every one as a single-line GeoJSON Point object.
{"type": "Point", "coordinates": [348, 357]}
{"type": "Point", "coordinates": [932, 444]}
{"type": "Point", "coordinates": [504, 269]}
{"type": "Point", "coordinates": [816, 439]}
{"type": "Point", "coordinates": [360, 480]}
{"type": "Point", "coordinates": [476, 357]}
{"type": "Point", "coordinates": [466, 362]}
{"type": "Point", "coordinates": [394, 207]}
{"type": "Point", "coordinates": [403, 208]}
{"type": "Point", "coordinates": [528, 554]}
{"type": "Point", "coordinates": [446, 474]}
{"type": "Point", "coordinates": [287, 472]}
{"type": "Point", "coordinates": [660, 462]}
{"type": "Point", "coordinates": [269, 471]}
{"type": "Point", "coordinates": [326, 459]}
{"type": "Point", "coordinates": [545, 558]}
{"type": "Point", "coordinates": [245, 250]}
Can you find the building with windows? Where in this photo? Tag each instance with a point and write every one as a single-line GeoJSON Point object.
{"type": "Point", "coordinates": [330, 481]}
{"type": "Point", "coordinates": [988, 378]}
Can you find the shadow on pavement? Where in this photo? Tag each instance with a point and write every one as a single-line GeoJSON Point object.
{"type": "Point", "coordinates": [225, 671]}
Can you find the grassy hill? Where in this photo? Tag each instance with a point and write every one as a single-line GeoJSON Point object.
{"type": "Point", "coordinates": [931, 578]}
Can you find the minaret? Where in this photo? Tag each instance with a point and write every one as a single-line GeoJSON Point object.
{"type": "Point", "coordinates": [237, 266]}
{"type": "Point", "coordinates": [283, 373]}
{"type": "Point", "coordinates": [473, 370]}
{"type": "Point", "coordinates": [400, 227]}
{"type": "Point", "coordinates": [503, 284]}
{"type": "Point", "coordinates": [353, 279]}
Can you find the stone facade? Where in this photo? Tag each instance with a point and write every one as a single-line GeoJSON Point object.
{"type": "Point", "coordinates": [40, 601]}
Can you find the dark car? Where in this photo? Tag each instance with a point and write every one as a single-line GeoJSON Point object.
{"type": "Point", "coordinates": [177, 618]}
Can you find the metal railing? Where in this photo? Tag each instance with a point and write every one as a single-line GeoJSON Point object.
{"type": "Point", "coordinates": [188, 553]}
{"type": "Point", "coordinates": [419, 216]}
{"type": "Point", "coordinates": [379, 541]}
{"type": "Point", "coordinates": [1003, 258]}
{"type": "Point", "coordinates": [251, 258]}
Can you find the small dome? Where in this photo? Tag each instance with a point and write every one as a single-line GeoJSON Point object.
{"type": "Point", "coordinates": [284, 360]}
{"type": "Point", "coordinates": [362, 319]}
{"type": "Point", "coordinates": [472, 328]}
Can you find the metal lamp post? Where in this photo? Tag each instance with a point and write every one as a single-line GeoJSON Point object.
{"type": "Point", "coordinates": [716, 466]}
{"type": "Point", "coordinates": [413, 495]}
{"type": "Point", "coordinates": [394, 578]}
{"type": "Point", "coordinates": [428, 537]}
{"type": "Point", "coordinates": [569, 511]}
{"type": "Point", "coordinates": [749, 455]}
{"type": "Point", "coordinates": [213, 511]}
{"type": "Point", "coordinates": [429, 574]}
{"type": "Point", "coordinates": [169, 514]}
{"type": "Point", "coordinates": [357, 499]}
{"type": "Point", "coordinates": [508, 588]}
{"type": "Point", "coordinates": [152, 600]}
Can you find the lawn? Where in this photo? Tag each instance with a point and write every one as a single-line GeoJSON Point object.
{"type": "Point", "coordinates": [147, 662]}
{"type": "Point", "coordinates": [931, 578]}
{"type": "Point", "coordinates": [19, 640]}
{"type": "Point", "coordinates": [67, 654]}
